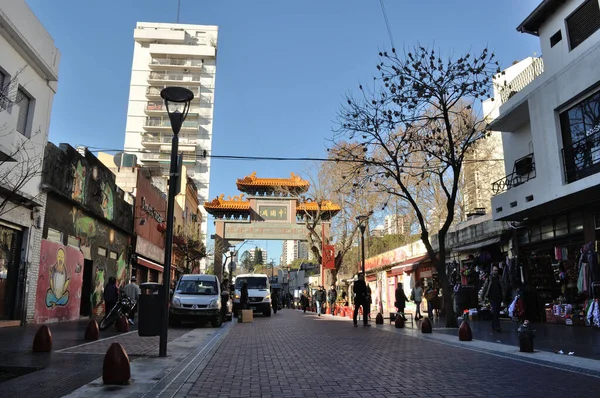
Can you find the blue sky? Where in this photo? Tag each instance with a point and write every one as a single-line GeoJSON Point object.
{"type": "Point", "coordinates": [283, 66]}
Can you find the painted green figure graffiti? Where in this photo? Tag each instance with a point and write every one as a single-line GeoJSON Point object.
{"type": "Point", "coordinates": [79, 183]}
{"type": "Point", "coordinates": [107, 201]}
{"type": "Point", "coordinates": [122, 269]}
{"type": "Point", "coordinates": [85, 228]}
{"type": "Point", "coordinates": [58, 293]}
{"type": "Point", "coordinates": [97, 294]}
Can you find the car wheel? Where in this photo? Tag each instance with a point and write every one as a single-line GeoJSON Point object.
{"type": "Point", "coordinates": [174, 321]}
{"type": "Point", "coordinates": [217, 321]}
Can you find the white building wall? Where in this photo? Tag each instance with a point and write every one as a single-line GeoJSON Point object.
{"type": "Point", "coordinates": [175, 41]}
{"type": "Point", "coordinates": [567, 75]}
{"type": "Point", "coordinates": [29, 57]}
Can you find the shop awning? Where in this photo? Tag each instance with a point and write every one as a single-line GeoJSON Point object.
{"type": "Point", "coordinates": [150, 264]}
{"type": "Point", "coordinates": [477, 245]}
{"type": "Point", "coordinates": [407, 265]}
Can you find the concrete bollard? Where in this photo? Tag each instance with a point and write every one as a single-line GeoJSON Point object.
{"type": "Point", "coordinates": [464, 332]}
{"type": "Point", "coordinates": [426, 326]}
{"type": "Point", "coordinates": [42, 342]}
{"type": "Point", "coordinates": [92, 332]}
{"type": "Point", "coordinates": [122, 325]}
{"type": "Point", "coordinates": [399, 322]}
{"type": "Point", "coordinates": [115, 369]}
{"type": "Point", "coordinates": [379, 319]}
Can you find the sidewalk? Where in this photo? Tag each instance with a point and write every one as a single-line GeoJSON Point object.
{"type": "Point", "coordinates": [73, 361]}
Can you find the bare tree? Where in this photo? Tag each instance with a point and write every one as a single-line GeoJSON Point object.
{"type": "Point", "coordinates": [189, 245]}
{"type": "Point", "coordinates": [416, 129]}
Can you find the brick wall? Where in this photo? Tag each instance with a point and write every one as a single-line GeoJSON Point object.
{"type": "Point", "coordinates": [35, 242]}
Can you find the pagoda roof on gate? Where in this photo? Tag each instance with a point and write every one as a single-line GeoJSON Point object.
{"type": "Point", "coordinates": [237, 205]}
{"type": "Point", "coordinates": [252, 184]}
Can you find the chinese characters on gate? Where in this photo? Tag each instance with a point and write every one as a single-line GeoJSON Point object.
{"type": "Point", "coordinates": [273, 212]}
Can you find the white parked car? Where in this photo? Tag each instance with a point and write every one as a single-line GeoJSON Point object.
{"type": "Point", "coordinates": [196, 297]}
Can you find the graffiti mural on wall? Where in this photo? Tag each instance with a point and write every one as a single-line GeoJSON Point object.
{"type": "Point", "coordinates": [79, 182]}
{"type": "Point", "coordinates": [59, 283]}
{"type": "Point", "coordinates": [107, 201]}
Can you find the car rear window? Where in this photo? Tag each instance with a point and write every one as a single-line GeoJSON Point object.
{"type": "Point", "coordinates": [197, 286]}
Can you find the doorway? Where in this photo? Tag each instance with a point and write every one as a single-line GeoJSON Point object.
{"type": "Point", "coordinates": [10, 243]}
{"type": "Point", "coordinates": [85, 308]}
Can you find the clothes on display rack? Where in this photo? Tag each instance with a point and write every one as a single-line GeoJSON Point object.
{"type": "Point", "coordinates": [561, 253]}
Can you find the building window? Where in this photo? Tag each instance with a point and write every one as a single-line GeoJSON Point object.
{"type": "Point", "coordinates": [555, 39]}
{"type": "Point", "coordinates": [73, 241]}
{"type": "Point", "coordinates": [580, 127]}
{"type": "Point", "coordinates": [102, 251]}
{"type": "Point", "coordinates": [4, 91]}
{"type": "Point", "coordinates": [24, 103]}
{"type": "Point", "coordinates": [113, 255]}
{"type": "Point", "coordinates": [54, 235]}
{"type": "Point", "coordinates": [583, 22]}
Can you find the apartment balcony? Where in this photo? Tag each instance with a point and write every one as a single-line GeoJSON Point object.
{"type": "Point", "coordinates": [164, 124]}
{"type": "Point", "coordinates": [178, 64]}
{"type": "Point", "coordinates": [523, 171]}
{"type": "Point", "coordinates": [205, 49]}
{"type": "Point", "coordinates": [174, 78]}
{"type": "Point", "coordinates": [153, 92]}
{"type": "Point", "coordinates": [166, 158]}
{"type": "Point", "coordinates": [144, 35]}
{"type": "Point", "coordinates": [159, 108]}
{"type": "Point", "coordinates": [582, 159]}
{"type": "Point", "coordinates": [522, 80]}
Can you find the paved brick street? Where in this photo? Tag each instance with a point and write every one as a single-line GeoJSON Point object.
{"type": "Point", "coordinates": [299, 355]}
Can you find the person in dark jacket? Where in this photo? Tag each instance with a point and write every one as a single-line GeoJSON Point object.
{"type": "Point", "coordinates": [360, 299]}
{"type": "Point", "coordinates": [111, 294]}
{"type": "Point", "coordinates": [401, 300]}
{"type": "Point", "coordinates": [319, 299]}
{"type": "Point", "coordinates": [304, 301]}
{"type": "Point", "coordinates": [493, 289]}
{"type": "Point", "coordinates": [332, 298]}
{"type": "Point", "coordinates": [274, 300]}
{"type": "Point", "coordinates": [244, 296]}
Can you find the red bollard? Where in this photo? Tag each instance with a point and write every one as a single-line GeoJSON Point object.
{"type": "Point", "coordinates": [42, 342]}
{"type": "Point", "coordinates": [115, 369]}
{"type": "Point", "coordinates": [122, 325]}
{"type": "Point", "coordinates": [426, 326]}
{"type": "Point", "coordinates": [464, 332]}
{"type": "Point", "coordinates": [92, 332]}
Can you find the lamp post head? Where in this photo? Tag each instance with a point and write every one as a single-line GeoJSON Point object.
{"type": "Point", "coordinates": [177, 102]}
{"type": "Point", "coordinates": [232, 250]}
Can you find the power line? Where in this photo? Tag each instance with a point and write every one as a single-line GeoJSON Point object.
{"type": "Point", "coordinates": [387, 23]}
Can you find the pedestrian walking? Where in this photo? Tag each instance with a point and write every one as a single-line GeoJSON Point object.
{"type": "Point", "coordinates": [430, 295]}
{"type": "Point", "coordinates": [319, 299]}
{"type": "Point", "coordinates": [332, 298]}
{"type": "Point", "coordinates": [132, 290]}
{"type": "Point", "coordinates": [244, 296]}
{"type": "Point", "coordinates": [111, 294]}
{"type": "Point", "coordinates": [360, 299]}
{"type": "Point", "coordinates": [416, 295]}
{"type": "Point", "coordinates": [493, 290]}
{"type": "Point", "coordinates": [400, 300]}
{"type": "Point", "coordinates": [274, 300]}
{"type": "Point", "coordinates": [304, 301]}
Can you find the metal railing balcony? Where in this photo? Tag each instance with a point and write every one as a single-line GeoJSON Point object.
{"type": "Point", "coordinates": [523, 171]}
{"type": "Point", "coordinates": [521, 80]}
{"type": "Point", "coordinates": [154, 91]}
{"type": "Point", "coordinates": [582, 158]}
{"type": "Point", "coordinates": [175, 76]}
{"type": "Point", "coordinates": [166, 123]}
{"type": "Point", "coordinates": [195, 64]}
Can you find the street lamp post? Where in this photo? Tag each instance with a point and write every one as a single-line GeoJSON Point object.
{"type": "Point", "coordinates": [362, 226]}
{"type": "Point", "coordinates": [177, 101]}
{"type": "Point", "coordinates": [231, 254]}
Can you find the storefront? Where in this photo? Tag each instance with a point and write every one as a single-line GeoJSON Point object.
{"type": "Point", "coordinates": [559, 275]}
{"type": "Point", "coordinates": [11, 289]}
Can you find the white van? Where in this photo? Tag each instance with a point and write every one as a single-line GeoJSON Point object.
{"type": "Point", "coordinates": [196, 297]}
{"type": "Point", "coordinates": [259, 293]}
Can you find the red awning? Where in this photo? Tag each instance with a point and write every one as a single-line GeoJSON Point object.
{"type": "Point", "coordinates": [149, 264]}
{"type": "Point", "coordinates": [371, 278]}
{"type": "Point", "coordinates": [407, 265]}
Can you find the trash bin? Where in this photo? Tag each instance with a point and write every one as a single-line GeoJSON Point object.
{"type": "Point", "coordinates": [150, 307]}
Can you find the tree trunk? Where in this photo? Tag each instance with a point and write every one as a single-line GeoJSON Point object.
{"type": "Point", "coordinates": [332, 277]}
{"type": "Point", "coordinates": [447, 289]}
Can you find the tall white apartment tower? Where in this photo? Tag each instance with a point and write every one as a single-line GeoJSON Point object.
{"type": "Point", "coordinates": [172, 55]}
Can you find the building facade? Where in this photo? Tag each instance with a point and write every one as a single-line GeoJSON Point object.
{"type": "Point", "coordinates": [87, 235]}
{"type": "Point", "coordinates": [173, 55]}
{"type": "Point", "coordinates": [549, 116]}
{"type": "Point", "coordinates": [28, 81]}
{"type": "Point", "coordinates": [293, 250]}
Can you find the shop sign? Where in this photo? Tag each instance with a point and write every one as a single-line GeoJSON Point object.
{"type": "Point", "coordinates": [273, 212]}
{"type": "Point", "coordinates": [151, 211]}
